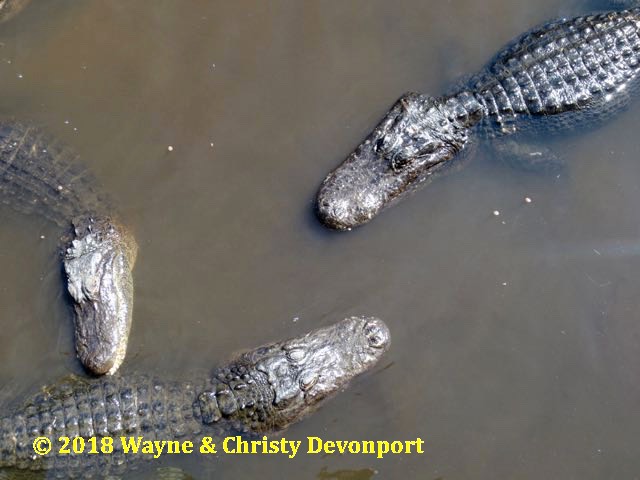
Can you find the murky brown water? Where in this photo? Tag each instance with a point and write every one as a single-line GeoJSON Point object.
{"type": "Point", "coordinates": [516, 341]}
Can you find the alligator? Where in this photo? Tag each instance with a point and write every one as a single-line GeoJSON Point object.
{"type": "Point", "coordinates": [261, 391]}
{"type": "Point", "coordinates": [563, 76]}
{"type": "Point", "coordinates": [10, 8]}
{"type": "Point", "coordinates": [39, 175]}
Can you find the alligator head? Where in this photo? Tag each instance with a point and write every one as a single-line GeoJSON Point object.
{"type": "Point", "coordinates": [302, 372]}
{"type": "Point", "coordinates": [98, 264]}
{"type": "Point", "coordinates": [412, 142]}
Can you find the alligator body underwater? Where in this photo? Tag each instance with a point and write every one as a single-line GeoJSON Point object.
{"type": "Point", "coordinates": [263, 390]}
{"type": "Point", "coordinates": [10, 8]}
{"type": "Point", "coordinates": [565, 75]}
{"type": "Point", "coordinates": [40, 176]}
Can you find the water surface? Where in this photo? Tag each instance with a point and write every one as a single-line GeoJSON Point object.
{"type": "Point", "coordinates": [516, 344]}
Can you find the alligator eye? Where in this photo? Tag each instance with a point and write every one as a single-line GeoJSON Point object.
{"type": "Point", "coordinates": [307, 383]}
{"type": "Point", "coordinates": [428, 149]}
{"type": "Point", "coordinates": [398, 163]}
{"type": "Point", "coordinates": [296, 355]}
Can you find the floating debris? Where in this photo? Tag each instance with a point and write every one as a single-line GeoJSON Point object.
{"type": "Point", "coordinates": [170, 148]}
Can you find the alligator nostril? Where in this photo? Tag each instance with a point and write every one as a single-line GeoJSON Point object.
{"type": "Point", "coordinates": [376, 334]}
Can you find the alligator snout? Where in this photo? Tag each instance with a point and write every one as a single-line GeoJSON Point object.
{"type": "Point", "coordinates": [377, 333]}
{"type": "Point", "coordinates": [98, 265]}
{"type": "Point", "coordinates": [341, 204]}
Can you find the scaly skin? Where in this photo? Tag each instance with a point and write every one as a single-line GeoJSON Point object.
{"type": "Point", "coordinates": [98, 264]}
{"type": "Point", "coordinates": [263, 390]}
{"type": "Point", "coordinates": [565, 75]}
{"type": "Point", "coordinates": [37, 175]}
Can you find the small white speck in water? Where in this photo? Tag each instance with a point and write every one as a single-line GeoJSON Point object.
{"type": "Point", "coordinates": [527, 200]}
{"type": "Point", "coordinates": [20, 75]}
{"type": "Point", "coordinates": [211, 144]}
{"type": "Point", "coordinates": [41, 237]}
{"type": "Point", "coordinates": [170, 148]}
{"type": "Point", "coordinates": [295, 319]}
{"type": "Point", "coordinates": [59, 188]}
{"type": "Point", "coordinates": [496, 212]}
{"type": "Point", "coordinates": [504, 284]}
{"type": "Point", "coordinates": [66, 122]}
{"type": "Point", "coordinates": [213, 65]}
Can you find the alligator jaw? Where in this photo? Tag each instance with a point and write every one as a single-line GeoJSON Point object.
{"type": "Point", "coordinates": [305, 371]}
{"type": "Point", "coordinates": [365, 184]}
{"type": "Point", "coordinates": [98, 265]}
{"type": "Point", "coordinates": [413, 141]}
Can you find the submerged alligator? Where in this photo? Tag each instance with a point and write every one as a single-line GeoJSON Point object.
{"type": "Point", "coordinates": [38, 175]}
{"type": "Point", "coordinates": [562, 76]}
{"type": "Point", "coordinates": [263, 390]}
{"type": "Point", "coordinates": [10, 8]}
